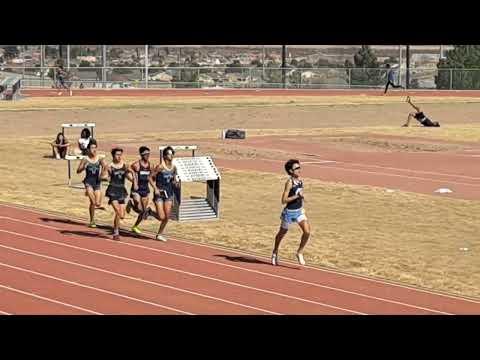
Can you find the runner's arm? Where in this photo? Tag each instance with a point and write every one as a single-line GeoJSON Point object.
{"type": "Point", "coordinates": [152, 181]}
{"type": "Point", "coordinates": [105, 170]}
{"type": "Point", "coordinates": [133, 171]}
{"type": "Point", "coordinates": [130, 175]}
{"type": "Point", "coordinates": [285, 198]}
{"type": "Point", "coordinates": [81, 166]}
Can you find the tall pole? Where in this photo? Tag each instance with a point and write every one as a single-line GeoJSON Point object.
{"type": "Point", "coordinates": [146, 66]}
{"type": "Point", "coordinates": [42, 63]}
{"type": "Point", "coordinates": [263, 64]}
{"type": "Point", "coordinates": [68, 57]}
{"type": "Point", "coordinates": [104, 63]}
{"type": "Point", "coordinates": [400, 64]}
{"type": "Point", "coordinates": [284, 53]}
{"type": "Point", "coordinates": [407, 79]}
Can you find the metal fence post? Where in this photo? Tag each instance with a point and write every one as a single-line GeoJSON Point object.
{"type": "Point", "coordinates": [349, 78]}
{"type": "Point", "coordinates": [68, 57]}
{"type": "Point", "coordinates": [146, 66]}
{"type": "Point", "coordinates": [451, 78]}
{"type": "Point", "coordinates": [104, 63]}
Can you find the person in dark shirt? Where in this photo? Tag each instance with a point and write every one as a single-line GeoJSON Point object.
{"type": "Point", "coordinates": [60, 147]}
{"type": "Point", "coordinates": [293, 212]}
{"type": "Point", "coordinates": [390, 79]}
{"type": "Point", "coordinates": [420, 117]}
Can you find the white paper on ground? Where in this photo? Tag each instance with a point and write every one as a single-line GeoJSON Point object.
{"type": "Point", "coordinates": [443, 190]}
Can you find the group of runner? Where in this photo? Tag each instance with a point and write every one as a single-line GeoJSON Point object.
{"type": "Point", "coordinates": [142, 174]}
{"type": "Point", "coordinates": [163, 179]}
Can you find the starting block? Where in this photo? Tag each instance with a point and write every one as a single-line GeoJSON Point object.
{"type": "Point", "coordinates": [195, 169]}
{"type": "Point", "coordinates": [69, 159]}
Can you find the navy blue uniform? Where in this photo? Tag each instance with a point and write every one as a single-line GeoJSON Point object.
{"type": "Point", "coordinates": [142, 175]}
{"type": "Point", "coordinates": [92, 175]}
{"type": "Point", "coordinates": [116, 189]}
{"type": "Point", "coordinates": [164, 181]}
{"type": "Point", "coordinates": [293, 211]}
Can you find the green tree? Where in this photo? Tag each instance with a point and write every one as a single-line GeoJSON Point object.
{"type": "Point", "coordinates": [461, 58]}
{"type": "Point", "coordinates": [366, 70]}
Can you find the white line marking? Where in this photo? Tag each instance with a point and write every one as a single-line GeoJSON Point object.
{"type": "Point", "coordinates": [168, 268]}
{"type": "Point", "coordinates": [4, 313]}
{"type": "Point", "coordinates": [130, 277]}
{"type": "Point", "coordinates": [402, 176]}
{"type": "Point", "coordinates": [94, 288]}
{"type": "Point", "coordinates": [50, 300]}
{"type": "Point", "coordinates": [319, 162]}
{"type": "Point", "coordinates": [411, 170]}
{"type": "Point", "coordinates": [236, 251]}
{"type": "Point", "coordinates": [388, 174]}
{"type": "Point", "coordinates": [247, 270]}
{"type": "Point", "coordinates": [257, 272]}
{"type": "Point", "coordinates": [377, 166]}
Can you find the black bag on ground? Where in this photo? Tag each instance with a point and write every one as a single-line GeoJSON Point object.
{"type": "Point", "coordinates": [234, 134]}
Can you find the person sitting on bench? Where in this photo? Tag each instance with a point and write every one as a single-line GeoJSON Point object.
{"type": "Point", "coordinates": [420, 117]}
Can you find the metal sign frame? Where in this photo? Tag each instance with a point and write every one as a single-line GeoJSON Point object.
{"type": "Point", "coordinates": [197, 207]}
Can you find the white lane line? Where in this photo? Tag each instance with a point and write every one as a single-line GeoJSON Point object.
{"type": "Point", "coordinates": [174, 270]}
{"type": "Point", "coordinates": [319, 162]}
{"type": "Point", "coordinates": [402, 176]}
{"type": "Point", "coordinates": [49, 300]}
{"type": "Point", "coordinates": [94, 288]}
{"type": "Point", "coordinates": [411, 170]}
{"type": "Point", "coordinates": [236, 251]}
{"type": "Point", "coordinates": [134, 278]}
{"type": "Point", "coordinates": [248, 270]}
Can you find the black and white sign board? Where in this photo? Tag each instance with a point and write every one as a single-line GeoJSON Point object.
{"type": "Point", "coordinates": [200, 168]}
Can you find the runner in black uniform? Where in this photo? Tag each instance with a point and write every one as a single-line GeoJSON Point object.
{"type": "Point", "coordinates": [163, 179]}
{"type": "Point", "coordinates": [141, 170]}
{"type": "Point", "coordinates": [116, 191]}
{"type": "Point", "coordinates": [293, 212]}
{"type": "Point", "coordinates": [420, 117]}
{"type": "Point", "coordinates": [94, 171]}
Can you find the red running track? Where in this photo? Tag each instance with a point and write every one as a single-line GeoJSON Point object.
{"type": "Point", "coordinates": [31, 92]}
{"type": "Point", "coordinates": [54, 265]}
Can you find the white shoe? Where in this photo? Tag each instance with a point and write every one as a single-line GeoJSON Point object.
{"type": "Point", "coordinates": [274, 259]}
{"type": "Point", "coordinates": [300, 259]}
{"type": "Point", "coordinates": [161, 238]}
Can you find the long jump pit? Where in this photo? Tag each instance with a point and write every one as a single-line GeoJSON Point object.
{"type": "Point", "coordinates": [370, 189]}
